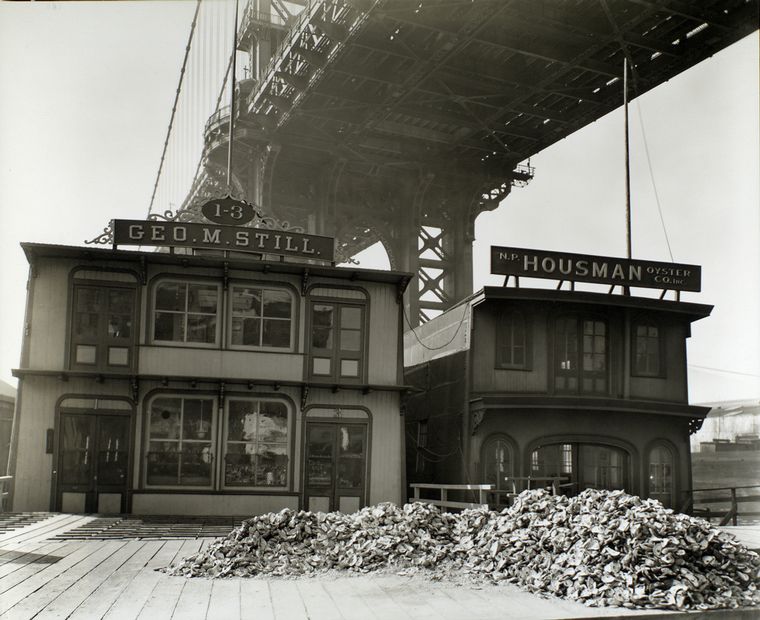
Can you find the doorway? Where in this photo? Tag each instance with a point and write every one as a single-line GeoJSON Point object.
{"type": "Point", "coordinates": [336, 463]}
{"type": "Point", "coordinates": [93, 463]}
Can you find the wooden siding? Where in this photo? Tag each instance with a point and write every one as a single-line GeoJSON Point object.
{"type": "Point", "coordinates": [37, 414]}
{"type": "Point", "coordinates": [49, 315]}
{"type": "Point", "coordinates": [672, 386]}
{"type": "Point", "coordinates": [193, 362]}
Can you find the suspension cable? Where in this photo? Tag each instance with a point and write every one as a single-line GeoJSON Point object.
{"type": "Point", "coordinates": [174, 106]}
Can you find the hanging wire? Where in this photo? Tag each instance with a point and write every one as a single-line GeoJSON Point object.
{"type": "Point", "coordinates": [429, 348]}
{"type": "Point", "coordinates": [176, 99]}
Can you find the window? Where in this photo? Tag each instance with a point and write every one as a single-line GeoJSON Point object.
{"type": "Point", "coordinates": [180, 442]}
{"type": "Point", "coordinates": [261, 317]}
{"type": "Point", "coordinates": [186, 433]}
{"type": "Point", "coordinates": [646, 350]}
{"type": "Point", "coordinates": [102, 327]}
{"type": "Point", "coordinates": [337, 341]}
{"type": "Point", "coordinates": [661, 475]}
{"type": "Point", "coordinates": [579, 466]}
{"type": "Point", "coordinates": [186, 312]}
{"type": "Point", "coordinates": [511, 341]}
{"type": "Point", "coordinates": [583, 370]}
{"type": "Point", "coordinates": [257, 443]}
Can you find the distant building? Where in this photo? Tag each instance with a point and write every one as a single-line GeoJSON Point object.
{"type": "Point", "coordinates": [585, 389]}
{"type": "Point", "coordinates": [729, 426]}
{"type": "Point", "coordinates": [7, 405]}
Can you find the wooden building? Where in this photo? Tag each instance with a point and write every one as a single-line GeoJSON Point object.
{"type": "Point", "coordinates": [160, 383]}
{"type": "Point", "coordinates": [586, 389]}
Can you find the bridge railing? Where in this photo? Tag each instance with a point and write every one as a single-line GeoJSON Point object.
{"type": "Point", "coordinates": [721, 495]}
{"type": "Point", "coordinates": [443, 501]}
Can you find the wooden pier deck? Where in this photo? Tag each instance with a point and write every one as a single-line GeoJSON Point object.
{"type": "Point", "coordinates": [43, 576]}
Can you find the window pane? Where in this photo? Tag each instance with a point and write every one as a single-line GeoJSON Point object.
{"type": "Point", "coordinates": [246, 331]}
{"type": "Point", "coordinates": [518, 356]}
{"type": "Point", "coordinates": [240, 465]}
{"type": "Point", "coordinates": [202, 298]}
{"type": "Point", "coordinates": [242, 420]}
{"type": "Point", "coordinates": [195, 468]}
{"type": "Point", "coordinates": [272, 465]}
{"type": "Point", "coordinates": [322, 315]}
{"type": "Point", "coordinates": [350, 473]}
{"type": "Point", "coordinates": [163, 463]}
{"type": "Point", "coordinates": [119, 326]}
{"type": "Point", "coordinates": [349, 368]}
{"type": "Point", "coordinates": [171, 296]}
{"type": "Point", "coordinates": [276, 333]}
{"type": "Point", "coordinates": [321, 365]}
{"type": "Point", "coordinates": [599, 344]}
{"type": "Point", "coordinates": [118, 356]}
{"type": "Point", "coordinates": [196, 421]}
{"type": "Point", "coordinates": [351, 318]}
{"type": "Point", "coordinates": [273, 422]}
{"type": "Point", "coordinates": [246, 301]}
{"type": "Point", "coordinates": [85, 354]}
{"type": "Point", "coordinates": [350, 340]}
{"type": "Point", "coordinates": [164, 418]}
{"type": "Point", "coordinates": [201, 328]}
{"type": "Point", "coordinates": [88, 300]}
{"type": "Point", "coordinates": [588, 327]}
{"type": "Point", "coordinates": [87, 325]}
{"type": "Point", "coordinates": [120, 301]}
{"type": "Point", "coordinates": [169, 326]}
{"type": "Point", "coordinates": [322, 338]}
{"type": "Point", "coordinates": [277, 304]}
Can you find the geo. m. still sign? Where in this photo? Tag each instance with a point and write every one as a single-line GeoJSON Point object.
{"type": "Point", "coordinates": [598, 269]}
{"type": "Point", "coordinates": [215, 236]}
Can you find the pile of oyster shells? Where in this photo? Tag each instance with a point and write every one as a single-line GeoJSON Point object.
{"type": "Point", "coordinates": [599, 547]}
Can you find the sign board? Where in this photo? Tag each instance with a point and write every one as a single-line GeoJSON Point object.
{"type": "Point", "coordinates": [219, 237]}
{"type": "Point", "coordinates": [598, 269]}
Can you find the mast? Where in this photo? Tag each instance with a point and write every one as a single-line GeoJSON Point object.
{"type": "Point", "coordinates": [232, 102]}
{"type": "Point", "coordinates": [627, 162]}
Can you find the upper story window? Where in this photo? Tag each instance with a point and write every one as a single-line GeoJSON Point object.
{"type": "Point", "coordinates": [102, 333]}
{"type": "Point", "coordinates": [647, 350]}
{"type": "Point", "coordinates": [581, 351]}
{"type": "Point", "coordinates": [337, 341]}
{"type": "Point", "coordinates": [261, 317]}
{"type": "Point", "coordinates": [511, 341]}
{"type": "Point", "coordinates": [186, 312]}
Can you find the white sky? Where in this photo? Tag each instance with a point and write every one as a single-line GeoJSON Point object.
{"type": "Point", "coordinates": [85, 96]}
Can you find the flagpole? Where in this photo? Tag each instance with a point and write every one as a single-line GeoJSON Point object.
{"type": "Point", "coordinates": [627, 161]}
{"type": "Point", "coordinates": [232, 103]}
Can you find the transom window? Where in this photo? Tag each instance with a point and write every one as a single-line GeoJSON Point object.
{"type": "Point", "coordinates": [261, 317]}
{"type": "Point", "coordinates": [257, 445]}
{"type": "Point", "coordinates": [180, 442]}
{"type": "Point", "coordinates": [647, 346]}
{"type": "Point", "coordinates": [337, 341]}
{"type": "Point", "coordinates": [186, 312]}
{"type": "Point", "coordinates": [511, 341]}
{"type": "Point", "coordinates": [580, 355]}
{"type": "Point", "coordinates": [102, 327]}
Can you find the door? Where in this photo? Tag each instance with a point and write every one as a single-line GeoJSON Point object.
{"type": "Point", "coordinates": [336, 463]}
{"type": "Point", "coordinates": [93, 463]}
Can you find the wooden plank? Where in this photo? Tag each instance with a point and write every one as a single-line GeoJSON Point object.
{"type": "Point", "coordinates": [42, 554]}
{"type": "Point", "coordinates": [50, 531]}
{"type": "Point", "coordinates": [317, 601]}
{"type": "Point", "coordinates": [286, 602]}
{"type": "Point", "coordinates": [132, 599]}
{"type": "Point", "coordinates": [225, 600]}
{"type": "Point", "coordinates": [105, 595]}
{"type": "Point", "coordinates": [45, 564]}
{"type": "Point", "coordinates": [33, 529]}
{"type": "Point", "coordinates": [379, 600]}
{"type": "Point", "coordinates": [406, 598]}
{"type": "Point", "coordinates": [193, 600]}
{"type": "Point", "coordinates": [454, 487]}
{"type": "Point", "coordinates": [449, 503]}
{"type": "Point", "coordinates": [81, 582]}
{"type": "Point", "coordinates": [31, 595]}
{"type": "Point", "coordinates": [343, 592]}
{"type": "Point", "coordinates": [256, 600]}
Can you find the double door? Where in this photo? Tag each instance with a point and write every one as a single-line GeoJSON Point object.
{"type": "Point", "coordinates": [93, 463]}
{"type": "Point", "coordinates": [336, 466]}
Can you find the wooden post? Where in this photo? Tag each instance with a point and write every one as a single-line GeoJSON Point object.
{"type": "Point", "coordinates": [734, 506]}
{"type": "Point", "coordinates": [444, 498]}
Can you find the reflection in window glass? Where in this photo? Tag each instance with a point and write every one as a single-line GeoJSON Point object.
{"type": "Point", "coordinates": [186, 312]}
{"type": "Point", "coordinates": [257, 443]}
{"type": "Point", "coordinates": [180, 450]}
{"type": "Point", "coordinates": [261, 317]}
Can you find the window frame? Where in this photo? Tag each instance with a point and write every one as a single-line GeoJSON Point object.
{"type": "Point", "coordinates": [509, 315]}
{"type": "Point", "coordinates": [102, 341]}
{"type": "Point", "coordinates": [577, 321]}
{"type": "Point", "coordinates": [335, 353]}
{"type": "Point", "coordinates": [212, 440]}
{"type": "Point", "coordinates": [230, 315]}
{"type": "Point", "coordinates": [220, 314]}
{"type": "Point", "coordinates": [224, 442]}
{"type": "Point", "coordinates": [660, 348]}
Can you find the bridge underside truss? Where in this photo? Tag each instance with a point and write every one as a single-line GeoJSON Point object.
{"type": "Point", "coordinates": [400, 121]}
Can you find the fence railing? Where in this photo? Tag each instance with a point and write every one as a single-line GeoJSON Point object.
{"type": "Point", "coordinates": [729, 496]}
{"type": "Point", "coordinates": [443, 501]}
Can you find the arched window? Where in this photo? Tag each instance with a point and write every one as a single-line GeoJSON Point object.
{"type": "Point", "coordinates": [498, 462]}
{"type": "Point", "coordinates": [511, 340]}
{"type": "Point", "coordinates": [661, 475]}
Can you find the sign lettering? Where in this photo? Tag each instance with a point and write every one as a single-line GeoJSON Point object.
{"type": "Point", "coordinates": [598, 269]}
{"type": "Point", "coordinates": [136, 232]}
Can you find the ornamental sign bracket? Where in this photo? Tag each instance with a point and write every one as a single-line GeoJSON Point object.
{"type": "Point", "coordinates": [563, 266]}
